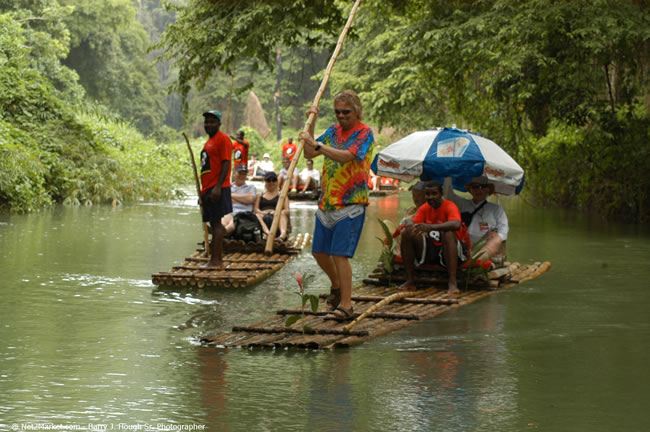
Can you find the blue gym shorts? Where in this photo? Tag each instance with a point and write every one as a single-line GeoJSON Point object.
{"type": "Point", "coordinates": [341, 239]}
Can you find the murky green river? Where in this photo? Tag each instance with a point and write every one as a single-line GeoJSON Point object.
{"type": "Point", "coordinates": [87, 342]}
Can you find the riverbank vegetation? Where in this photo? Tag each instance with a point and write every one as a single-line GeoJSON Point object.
{"type": "Point", "coordinates": [58, 145]}
{"type": "Point", "coordinates": [85, 117]}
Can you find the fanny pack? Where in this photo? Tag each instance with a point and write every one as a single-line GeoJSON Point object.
{"type": "Point", "coordinates": [332, 217]}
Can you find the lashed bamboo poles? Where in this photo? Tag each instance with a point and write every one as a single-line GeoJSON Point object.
{"type": "Point", "coordinates": [307, 128]}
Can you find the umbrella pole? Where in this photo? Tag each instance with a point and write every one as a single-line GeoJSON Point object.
{"type": "Point", "coordinates": [310, 120]}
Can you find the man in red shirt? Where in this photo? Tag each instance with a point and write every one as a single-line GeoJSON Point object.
{"type": "Point", "coordinates": [434, 236]}
{"type": "Point", "coordinates": [215, 183]}
{"type": "Point", "coordinates": [289, 149]}
{"type": "Point", "coordinates": [239, 150]}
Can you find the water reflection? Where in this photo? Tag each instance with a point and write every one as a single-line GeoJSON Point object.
{"type": "Point", "coordinates": [85, 336]}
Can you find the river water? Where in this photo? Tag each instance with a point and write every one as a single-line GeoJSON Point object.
{"type": "Point", "coordinates": [86, 340]}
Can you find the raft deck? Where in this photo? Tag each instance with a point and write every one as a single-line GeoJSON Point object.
{"type": "Point", "coordinates": [246, 264]}
{"type": "Point", "coordinates": [398, 310]}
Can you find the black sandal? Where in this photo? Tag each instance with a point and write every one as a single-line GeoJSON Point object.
{"type": "Point", "coordinates": [333, 299]}
{"type": "Point", "coordinates": [340, 314]}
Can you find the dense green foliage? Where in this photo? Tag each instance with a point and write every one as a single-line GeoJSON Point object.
{"type": "Point", "coordinates": [54, 147]}
{"type": "Point", "coordinates": [562, 85]}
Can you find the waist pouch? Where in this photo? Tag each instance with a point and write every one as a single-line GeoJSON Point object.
{"type": "Point", "coordinates": [332, 217]}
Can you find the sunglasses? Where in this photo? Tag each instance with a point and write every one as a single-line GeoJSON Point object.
{"type": "Point", "coordinates": [344, 112]}
{"type": "Point", "coordinates": [479, 186]}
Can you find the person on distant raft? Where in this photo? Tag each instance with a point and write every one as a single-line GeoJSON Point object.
{"type": "Point", "coordinates": [480, 216]}
{"type": "Point", "coordinates": [434, 236]}
{"type": "Point", "coordinates": [347, 148]}
{"type": "Point", "coordinates": [215, 183]}
{"type": "Point", "coordinates": [283, 175]}
{"type": "Point", "coordinates": [239, 150]}
{"type": "Point", "coordinates": [264, 166]}
{"type": "Point", "coordinates": [308, 178]}
{"type": "Point", "coordinates": [289, 149]}
{"type": "Point", "coordinates": [252, 165]}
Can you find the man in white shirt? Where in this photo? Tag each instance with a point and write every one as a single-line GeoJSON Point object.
{"type": "Point", "coordinates": [309, 178]}
{"type": "Point", "coordinates": [243, 197]}
{"type": "Point", "coordinates": [489, 218]}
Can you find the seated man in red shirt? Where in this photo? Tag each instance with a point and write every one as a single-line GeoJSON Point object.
{"type": "Point", "coordinates": [434, 236]}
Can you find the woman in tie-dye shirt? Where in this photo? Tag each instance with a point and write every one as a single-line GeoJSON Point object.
{"type": "Point", "coordinates": [347, 149]}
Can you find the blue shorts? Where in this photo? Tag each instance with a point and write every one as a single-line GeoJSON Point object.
{"type": "Point", "coordinates": [341, 240]}
{"type": "Point", "coordinates": [213, 211]}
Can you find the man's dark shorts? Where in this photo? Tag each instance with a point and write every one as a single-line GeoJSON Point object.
{"type": "Point", "coordinates": [435, 253]}
{"type": "Point", "coordinates": [213, 211]}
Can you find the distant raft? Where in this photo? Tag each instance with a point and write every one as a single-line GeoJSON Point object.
{"type": "Point", "coordinates": [378, 309]}
{"type": "Point", "coordinates": [246, 264]}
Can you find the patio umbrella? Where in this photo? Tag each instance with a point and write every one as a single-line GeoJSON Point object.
{"type": "Point", "coordinates": [450, 152]}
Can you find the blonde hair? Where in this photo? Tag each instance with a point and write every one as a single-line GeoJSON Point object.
{"type": "Point", "coordinates": [350, 98]}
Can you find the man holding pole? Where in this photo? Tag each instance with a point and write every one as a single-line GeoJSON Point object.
{"type": "Point", "coordinates": [347, 149]}
{"type": "Point", "coordinates": [215, 183]}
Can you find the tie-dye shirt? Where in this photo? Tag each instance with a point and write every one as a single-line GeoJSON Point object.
{"type": "Point", "coordinates": [346, 183]}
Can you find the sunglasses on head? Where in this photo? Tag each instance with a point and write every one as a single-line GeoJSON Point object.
{"type": "Point", "coordinates": [272, 179]}
{"type": "Point", "coordinates": [479, 186]}
{"type": "Point", "coordinates": [344, 112]}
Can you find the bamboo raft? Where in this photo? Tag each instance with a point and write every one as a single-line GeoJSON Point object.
{"type": "Point", "coordinates": [310, 195]}
{"type": "Point", "coordinates": [378, 309]}
{"type": "Point", "coordinates": [383, 193]}
{"type": "Point", "coordinates": [246, 264]}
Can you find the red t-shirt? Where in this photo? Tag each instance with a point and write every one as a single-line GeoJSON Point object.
{"type": "Point", "coordinates": [216, 150]}
{"type": "Point", "coordinates": [448, 211]}
{"type": "Point", "coordinates": [239, 154]}
{"type": "Point", "coordinates": [289, 150]}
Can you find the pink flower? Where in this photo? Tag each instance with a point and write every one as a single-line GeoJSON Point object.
{"type": "Point", "coordinates": [299, 280]}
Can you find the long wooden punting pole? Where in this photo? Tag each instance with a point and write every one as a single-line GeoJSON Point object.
{"type": "Point", "coordinates": [206, 239]}
{"type": "Point", "coordinates": [301, 144]}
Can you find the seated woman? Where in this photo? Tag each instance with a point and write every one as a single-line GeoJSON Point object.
{"type": "Point", "coordinates": [265, 206]}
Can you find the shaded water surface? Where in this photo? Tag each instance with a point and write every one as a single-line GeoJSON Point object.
{"type": "Point", "coordinates": [85, 338]}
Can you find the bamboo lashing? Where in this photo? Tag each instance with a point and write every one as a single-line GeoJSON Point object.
{"type": "Point", "coordinates": [206, 239]}
{"type": "Point", "coordinates": [307, 128]}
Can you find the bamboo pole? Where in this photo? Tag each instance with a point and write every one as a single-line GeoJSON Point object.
{"type": "Point", "coordinates": [307, 128]}
{"type": "Point", "coordinates": [371, 309]}
{"type": "Point", "coordinates": [206, 239]}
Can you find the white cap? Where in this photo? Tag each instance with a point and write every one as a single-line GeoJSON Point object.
{"type": "Point", "coordinates": [266, 155]}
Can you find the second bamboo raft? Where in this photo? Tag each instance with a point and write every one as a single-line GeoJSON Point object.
{"type": "Point", "coordinates": [246, 264]}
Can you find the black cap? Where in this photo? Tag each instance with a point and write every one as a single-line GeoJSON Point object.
{"type": "Point", "coordinates": [241, 167]}
{"type": "Point", "coordinates": [270, 175]}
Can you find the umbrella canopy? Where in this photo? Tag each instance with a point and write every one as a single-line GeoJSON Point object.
{"type": "Point", "coordinates": [450, 152]}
